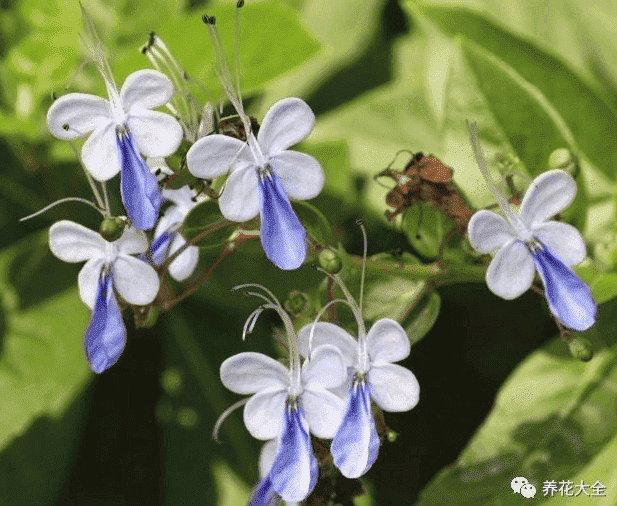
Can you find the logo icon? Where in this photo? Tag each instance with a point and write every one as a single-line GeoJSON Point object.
{"type": "Point", "coordinates": [521, 485]}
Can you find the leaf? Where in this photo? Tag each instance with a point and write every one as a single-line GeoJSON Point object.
{"type": "Point", "coordinates": [43, 373]}
{"type": "Point", "coordinates": [423, 317]}
{"type": "Point", "coordinates": [553, 419]}
{"type": "Point", "coordinates": [425, 227]}
{"type": "Point", "coordinates": [515, 74]}
{"type": "Point", "coordinates": [315, 222]}
{"type": "Point", "coordinates": [200, 218]}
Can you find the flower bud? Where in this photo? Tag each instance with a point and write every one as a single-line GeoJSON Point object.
{"type": "Point", "coordinates": [564, 159]}
{"type": "Point", "coordinates": [111, 228]}
{"type": "Point", "coordinates": [330, 261]}
{"type": "Point", "coordinates": [581, 349]}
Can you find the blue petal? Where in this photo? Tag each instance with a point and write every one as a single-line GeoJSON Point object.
{"type": "Point", "coordinates": [140, 191]}
{"type": "Point", "coordinates": [294, 471]}
{"type": "Point", "coordinates": [106, 334]}
{"type": "Point", "coordinates": [356, 443]}
{"type": "Point", "coordinates": [160, 247]}
{"type": "Point", "coordinates": [282, 235]}
{"type": "Point", "coordinates": [263, 494]}
{"type": "Point", "coordinates": [569, 299]}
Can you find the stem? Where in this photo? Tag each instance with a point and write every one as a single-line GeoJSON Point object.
{"type": "Point", "coordinates": [201, 279]}
{"type": "Point", "coordinates": [446, 275]}
{"type": "Point", "coordinates": [213, 227]}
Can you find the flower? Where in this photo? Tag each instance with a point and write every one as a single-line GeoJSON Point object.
{"type": "Point", "coordinates": [372, 375]}
{"type": "Point", "coordinates": [525, 241]}
{"type": "Point", "coordinates": [287, 404]}
{"type": "Point", "coordinates": [120, 130]}
{"type": "Point", "coordinates": [109, 266]}
{"type": "Point", "coordinates": [264, 176]}
{"type": "Point", "coordinates": [167, 238]}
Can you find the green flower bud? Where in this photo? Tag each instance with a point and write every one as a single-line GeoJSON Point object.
{"type": "Point", "coordinates": [581, 349]}
{"type": "Point", "coordinates": [330, 261]}
{"type": "Point", "coordinates": [564, 159]}
{"type": "Point", "coordinates": [111, 228]}
{"type": "Point", "coordinates": [392, 436]}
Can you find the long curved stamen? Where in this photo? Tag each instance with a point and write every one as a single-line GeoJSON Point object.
{"type": "Point", "coordinates": [223, 417]}
{"type": "Point", "coordinates": [512, 218]}
{"type": "Point", "coordinates": [272, 298]}
{"type": "Point", "coordinates": [250, 322]}
{"type": "Point", "coordinates": [61, 201]}
{"type": "Point", "coordinates": [294, 355]}
{"type": "Point", "coordinates": [319, 315]}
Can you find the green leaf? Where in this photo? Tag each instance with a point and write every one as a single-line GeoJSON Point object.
{"type": "Point", "coordinates": [274, 44]}
{"type": "Point", "coordinates": [43, 373]}
{"type": "Point", "coordinates": [425, 227]}
{"type": "Point", "coordinates": [200, 218]}
{"type": "Point", "coordinates": [315, 222]}
{"type": "Point", "coordinates": [553, 419]}
{"type": "Point", "coordinates": [604, 287]}
{"type": "Point", "coordinates": [515, 74]}
{"type": "Point", "coordinates": [423, 317]}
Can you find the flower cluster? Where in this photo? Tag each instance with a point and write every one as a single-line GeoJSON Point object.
{"type": "Point", "coordinates": [125, 135]}
{"type": "Point", "coordinates": [329, 396]}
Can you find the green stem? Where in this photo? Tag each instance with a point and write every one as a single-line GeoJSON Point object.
{"type": "Point", "coordinates": [447, 275]}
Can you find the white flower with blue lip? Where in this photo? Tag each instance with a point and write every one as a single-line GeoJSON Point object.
{"type": "Point", "coordinates": [119, 131]}
{"type": "Point", "coordinates": [109, 266]}
{"type": "Point", "coordinates": [372, 376]}
{"type": "Point", "coordinates": [525, 240]}
{"type": "Point", "coordinates": [264, 175]}
{"type": "Point", "coordinates": [167, 237]}
{"type": "Point", "coordinates": [287, 404]}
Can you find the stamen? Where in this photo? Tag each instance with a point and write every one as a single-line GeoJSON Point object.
{"type": "Point", "coordinates": [319, 314]}
{"type": "Point", "coordinates": [62, 201]}
{"type": "Point", "coordinates": [224, 415]}
{"type": "Point", "coordinates": [512, 218]}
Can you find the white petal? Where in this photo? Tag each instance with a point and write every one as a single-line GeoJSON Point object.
{"type": "Point", "coordinates": [266, 457]}
{"type": "Point", "coordinates": [264, 413]}
{"type": "Point", "coordinates": [323, 410]}
{"type": "Point", "coordinates": [216, 154]}
{"type": "Point", "coordinates": [488, 231]}
{"type": "Point", "coordinates": [88, 280]}
{"type": "Point", "coordinates": [183, 266]}
{"type": "Point", "coordinates": [563, 239]}
{"type": "Point", "coordinates": [72, 242]}
{"type": "Point", "coordinates": [511, 271]}
{"type": "Point", "coordinates": [100, 152]}
{"type": "Point", "coordinates": [136, 281]}
{"type": "Point", "coordinates": [387, 342]}
{"type": "Point", "coordinates": [147, 89]}
{"type": "Point", "coordinates": [182, 197]}
{"type": "Point", "coordinates": [132, 242]}
{"type": "Point", "coordinates": [250, 372]}
{"type": "Point", "coordinates": [548, 194]}
{"type": "Point", "coordinates": [240, 198]}
{"type": "Point", "coordinates": [302, 176]}
{"type": "Point", "coordinates": [286, 123]}
{"type": "Point", "coordinates": [328, 333]}
{"type": "Point", "coordinates": [393, 387]}
{"type": "Point", "coordinates": [81, 112]}
{"type": "Point", "coordinates": [155, 133]}
{"type": "Point", "coordinates": [326, 368]}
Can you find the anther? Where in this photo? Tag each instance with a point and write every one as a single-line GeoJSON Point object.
{"type": "Point", "coordinates": [66, 127]}
{"type": "Point", "coordinates": [240, 4]}
{"type": "Point", "coordinates": [209, 20]}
